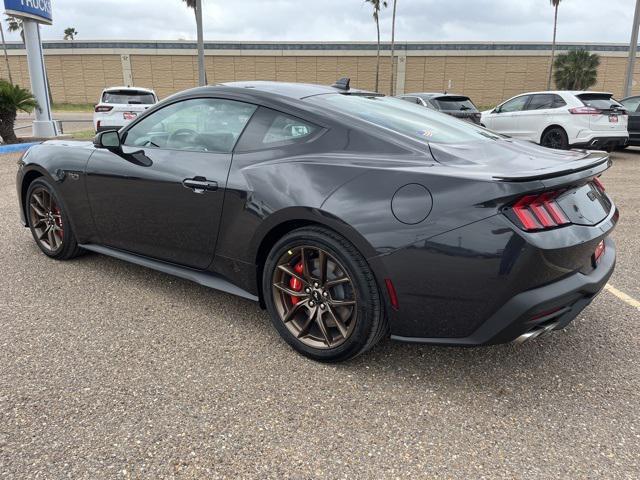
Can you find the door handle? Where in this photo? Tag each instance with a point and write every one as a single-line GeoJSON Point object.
{"type": "Point", "coordinates": [200, 184]}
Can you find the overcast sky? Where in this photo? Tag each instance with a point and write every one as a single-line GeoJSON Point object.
{"type": "Point", "coordinates": [341, 20]}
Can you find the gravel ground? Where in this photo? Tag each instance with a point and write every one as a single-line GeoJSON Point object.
{"type": "Point", "coordinates": [109, 370]}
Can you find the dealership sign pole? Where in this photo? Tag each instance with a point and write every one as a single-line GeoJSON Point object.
{"type": "Point", "coordinates": [33, 13]}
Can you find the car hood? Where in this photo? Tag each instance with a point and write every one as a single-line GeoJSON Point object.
{"type": "Point", "coordinates": [516, 160]}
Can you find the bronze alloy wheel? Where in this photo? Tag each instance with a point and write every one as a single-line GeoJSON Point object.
{"type": "Point", "coordinates": [46, 219]}
{"type": "Point", "coordinates": [315, 297]}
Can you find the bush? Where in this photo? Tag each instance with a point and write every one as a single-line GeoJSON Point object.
{"type": "Point", "coordinates": [576, 70]}
{"type": "Point", "coordinates": [12, 99]}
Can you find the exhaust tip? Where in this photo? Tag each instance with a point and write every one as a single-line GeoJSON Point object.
{"type": "Point", "coordinates": [536, 332]}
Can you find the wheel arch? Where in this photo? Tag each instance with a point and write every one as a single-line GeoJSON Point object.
{"type": "Point", "coordinates": [267, 237]}
{"type": "Point", "coordinates": [549, 127]}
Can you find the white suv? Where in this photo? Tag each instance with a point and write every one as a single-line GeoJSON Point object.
{"type": "Point", "coordinates": [562, 119]}
{"type": "Point", "coordinates": [118, 106]}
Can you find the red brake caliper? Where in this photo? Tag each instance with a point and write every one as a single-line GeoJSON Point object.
{"type": "Point", "coordinates": [296, 284]}
{"type": "Point", "coordinates": [56, 210]}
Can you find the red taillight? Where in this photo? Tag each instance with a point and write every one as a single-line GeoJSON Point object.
{"type": "Point", "coordinates": [103, 108]}
{"type": "Point", "coordinates": [598, 183]}
{"type": "Point", "coordinates": [585, 111]}
{"type": "Point", "coordinates": [600, 248]}
{"type": "Point", "coordinates": [539, 212]}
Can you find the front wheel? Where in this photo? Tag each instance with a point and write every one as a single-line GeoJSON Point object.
{"type": "Point", "coordinates": [556, 138]}
{"type": "Point", "coordinates": [49, 223]}
{"type": "Point", "coordinates": [322, 296]}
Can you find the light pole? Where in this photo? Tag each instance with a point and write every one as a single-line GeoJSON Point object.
{"type": "Point", "coordinates": [202, 77]}
{"type": "Point", "coordinates": [633, 47]}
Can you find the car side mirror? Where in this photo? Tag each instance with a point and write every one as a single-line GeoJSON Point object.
{"type": "Point", "coordinates": [109, 139]}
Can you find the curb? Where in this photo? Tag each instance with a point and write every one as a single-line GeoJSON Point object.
{"type": "Point", "coordinates": [17, 147]}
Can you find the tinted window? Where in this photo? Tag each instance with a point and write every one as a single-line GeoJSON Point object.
{"type": "Point", "coordinates": [455, 103]}
{"type": "Point", "coordinates": [543, 101]}
{"type": "Point", "coordinates": [631, 104]}
{"type": "Point", "coordinates": [200, 124]}
{"type": "Point", "coordinates": [515, 105]}
{"type": "Point", "coordinates": [128, 97]}
{"type": "Point", "coordinates": [415, 100]}
{"type": "Point", "coordinates": [269, 128]}
{"type": "Point", "coordinates": [402, 117]}
{"type": "Point", "coordinates": [602, 101]}
{"type": "Point", "coordinates": [284, 128]}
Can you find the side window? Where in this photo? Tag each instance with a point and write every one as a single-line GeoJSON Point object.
{"type": "Point", "coordinates": [515, 105]}
{"type": "Point", "coordinates": [199, 124]}
{"type": "Point", "coordinates": [411, 100]}
{"type": "Point", "coordinates": [540, 102]}
{"type": "Point", "coordinates": [269, 128]}
{"type": "Point", "coordinates": [558, 102]}
{"type": "Point", "coordinates": [631, 104]}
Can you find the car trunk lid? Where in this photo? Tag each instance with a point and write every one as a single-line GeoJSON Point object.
{"type": "Point", "coordinates": [608, 115]}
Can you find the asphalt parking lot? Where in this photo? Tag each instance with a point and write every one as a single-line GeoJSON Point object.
{"type": "Point", "coordinates": [109, 370]}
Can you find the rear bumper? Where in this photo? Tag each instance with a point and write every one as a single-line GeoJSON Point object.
{"type": "Point", "coordinates": [598, 143]}
{"type": "Point", "coordinates": [564, 299]}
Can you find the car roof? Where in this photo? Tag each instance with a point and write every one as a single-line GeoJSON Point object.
{"type": "Point", "coordinates": [292, 90]}
{"type": "Point", "coordinates": [434, 95]}
{"type": "Point", "coordinates": [132, 89]}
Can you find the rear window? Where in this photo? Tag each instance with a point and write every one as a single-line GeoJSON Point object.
{"type": "Point", "coordinates": [403, 117]}
{"type": "Point", "coordinates": [603, 101]}
{"type": "Point", "coordinates": [455, 103]}
{"type": "Point", "coordinates": [128, 97]}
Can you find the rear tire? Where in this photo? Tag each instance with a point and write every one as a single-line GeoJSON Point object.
{"type": "Point", "coordinates": [333, 316]}
{"type": "Point", "coordinates": [49, 222]}
{"type": "Point", "coordinates": [555, 137]}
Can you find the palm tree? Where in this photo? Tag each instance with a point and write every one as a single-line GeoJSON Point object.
{"type": "Point", "coordinates": [70, 33]}
{"type": "Point", "coordinates": [393, 45]}
{"type": "Point", "coordinates": [377, 5]}
{"type": "Point", "coordinates": [197, 10]}
{"type": "Point", "coordinates": [555, 4]}
{"type": "Point", "coordinates": [15, 25]}
{"type": "Point", "coordinates": [12, 99]}
{"type": "Point", "coordinates": [576, 70]}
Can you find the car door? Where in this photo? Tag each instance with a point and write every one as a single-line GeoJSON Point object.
{"type": "Point", "coordinates": [506, 118]}
{"type": "Point", "coordinates": [632, 105]}
{"type": "Point", "coordinates": [161, 194]}
{"type": "Point", "coordinates": [540, 112]}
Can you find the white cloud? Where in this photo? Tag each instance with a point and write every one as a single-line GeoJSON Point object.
{"type": "Point", "coordinates": [343, 20]}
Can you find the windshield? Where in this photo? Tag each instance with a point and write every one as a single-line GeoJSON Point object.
{"type": "Point", "coordinates": [128, 97]}
{"type": "Point", "coordinates": [455, 103]}
{"type": "Point", "coordinates": [406, 118]}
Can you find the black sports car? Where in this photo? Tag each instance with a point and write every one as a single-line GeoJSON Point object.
{"type": "Point", "coordinates": [348, 215]}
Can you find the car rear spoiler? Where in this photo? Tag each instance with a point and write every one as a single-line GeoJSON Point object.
{"type": "Point", "coordinates": [599, 164]}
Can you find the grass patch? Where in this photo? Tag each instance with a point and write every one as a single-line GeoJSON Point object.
{"type": "Point", "coordinates": [72, 107]}
{"type": "Point", "coordinates": [83, 135]}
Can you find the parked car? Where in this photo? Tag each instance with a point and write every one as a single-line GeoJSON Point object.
{"type": "Point", "coordinates": [457, 106]}
{"type": "Point", "coordinates": [562, 119]}
{"type": "Point", "coordinates": [119, 106]}
{"type": "Point", "coordinates": [348, 215]}
{"type": "Point", "coordinates": [632, 106]}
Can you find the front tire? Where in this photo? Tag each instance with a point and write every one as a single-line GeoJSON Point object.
{"type": "Point", "coordinates": [555, 137]}
{"type": "Point", "coordinates": [322, 296]}
{"type": "Point", "coordinates": [49, 223]}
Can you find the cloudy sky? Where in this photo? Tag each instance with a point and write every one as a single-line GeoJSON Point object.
{"type": "Point", "coordinates": [426, 20]}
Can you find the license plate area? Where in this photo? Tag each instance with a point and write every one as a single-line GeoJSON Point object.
{"type": "Point", "coordinates": [613, 118]}
{"type": "Point", "coordinates": [129, 115]}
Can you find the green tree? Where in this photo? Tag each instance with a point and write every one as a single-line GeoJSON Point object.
{"type": "Point", "coordinates": [70, 33]}
{"type": "Point", "coordinates": [576, 70]}
{"type": "Point", "coordinates": [15, 25]}
{"type": "Point", "coordinates": [12, 99]}
{"type": "Point", "coordinates": [555, 4]}
{"type": "Point", "coordinates": [377, 6]}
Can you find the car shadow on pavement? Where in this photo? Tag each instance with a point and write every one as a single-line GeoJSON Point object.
{"type": "Point", "coordinates": [565, 360]}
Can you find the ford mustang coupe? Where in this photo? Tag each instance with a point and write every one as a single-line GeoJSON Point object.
{"type": "Point", "coordinates": [348, 215]}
